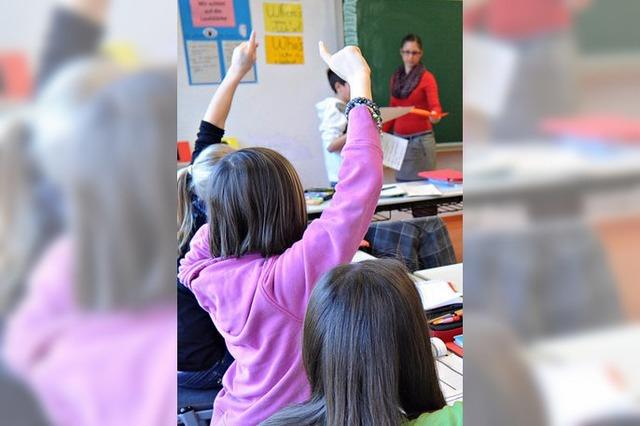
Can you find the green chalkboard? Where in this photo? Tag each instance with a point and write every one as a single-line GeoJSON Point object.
{"type": "Point", "coordinates": [378, 26]}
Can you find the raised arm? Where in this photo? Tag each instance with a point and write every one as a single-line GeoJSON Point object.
{"type": "Point", "coordinates": [75, 31]}
{"type": "Point", "coordinates": [212, 125]}
{"type": "Point", "coordinates": [333, 239]}
{"type": "Point", "coordinates": [242, 60]}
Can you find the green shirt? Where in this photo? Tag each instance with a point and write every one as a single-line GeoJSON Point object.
{"type": "Point", "coordinates": [446, 416]}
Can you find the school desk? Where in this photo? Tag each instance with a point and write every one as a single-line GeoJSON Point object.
{"type": "Point", "coordinates": [450, 195]}
{"type": "Point", "coordinates": [545, 177]}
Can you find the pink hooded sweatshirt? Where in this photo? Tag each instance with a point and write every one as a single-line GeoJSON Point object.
{"type": "Point", "coordinates": [91, 368]}
{"type": "Point", "coordinates": [258, 304]}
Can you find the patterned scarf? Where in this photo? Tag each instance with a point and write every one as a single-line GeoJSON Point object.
{"type": "Point", "coordinates": [403, 84]}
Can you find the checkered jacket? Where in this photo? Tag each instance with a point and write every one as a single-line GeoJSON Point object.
{"type": "Point", "coordinates": [420, 243]}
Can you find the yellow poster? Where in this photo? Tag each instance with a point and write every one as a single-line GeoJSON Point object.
{"type": "Point", "coordinates": [284, 49]}
{"type": "Point", "coordinates": [282, 17]}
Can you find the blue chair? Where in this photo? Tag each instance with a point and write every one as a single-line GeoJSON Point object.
{"type": "Point", "coordinates": [195, 406]}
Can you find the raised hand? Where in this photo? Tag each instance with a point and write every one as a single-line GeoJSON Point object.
{"type": "Point", "coordinates": [349, 64]}
{"type": "Point", "coordinates": [244, 56]}
{"type": "Point", "coordinates": [242, 60]}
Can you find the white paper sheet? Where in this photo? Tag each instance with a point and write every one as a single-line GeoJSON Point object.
{"type": "Point", "coordinates": [393, 150]}
{"type": "Point", "coordinates": [422, 190]}
{"type": "Point", "coordinates": [435, 294]}
{"type": "Point", "coordinates": [360, 256]}
{"type": "Point", "coordinates": [450, 377]}
{"type": "Point", "coordinates": [204, 61]}
{"type": "Point", "coordinates": [392, 190]}
{"type": "Point", "coordinates": [489, 67]}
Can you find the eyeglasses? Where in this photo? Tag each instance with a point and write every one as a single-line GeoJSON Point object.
{"type": "Point", "coordinates": [410, 52]}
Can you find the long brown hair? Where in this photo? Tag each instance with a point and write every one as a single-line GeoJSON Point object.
{"type": "Point", "coordinates": [255, 204]}
{"type": "Point", "coordinates": [366, 350]}
{"type": "Point", "coordinates": [121, 208]}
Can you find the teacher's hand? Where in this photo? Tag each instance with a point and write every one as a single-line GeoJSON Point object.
{"type": "Point", "coordinates": [349, 64]}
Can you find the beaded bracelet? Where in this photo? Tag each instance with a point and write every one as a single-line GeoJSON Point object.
{"type": "Point", "coordinates": [373, 107]}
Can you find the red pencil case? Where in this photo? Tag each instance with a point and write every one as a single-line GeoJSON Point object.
{"type": "Point", "coordinates": [445, 332]}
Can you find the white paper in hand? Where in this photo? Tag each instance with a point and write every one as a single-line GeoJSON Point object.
{"type": "Point", "coordinates": [393, 150]}
{"type": "Point", "coordinates": [489, 68]}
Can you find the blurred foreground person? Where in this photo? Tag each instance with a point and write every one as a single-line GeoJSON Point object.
{"type": "Point", "coordinates": [96, 329]}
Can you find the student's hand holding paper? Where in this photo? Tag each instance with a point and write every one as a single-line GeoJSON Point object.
{"type": "Point", "coordinates": [244, 57]}
{"type": "Point", "coordinates": [349, 64]}
{"type": "Point", "coordinates": [434, 117]}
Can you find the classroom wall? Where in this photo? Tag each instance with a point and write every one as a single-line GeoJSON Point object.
{"type": "Point", "coordinates": [279, 111]}
{"type": "Point", "coordinates": [150, 39]}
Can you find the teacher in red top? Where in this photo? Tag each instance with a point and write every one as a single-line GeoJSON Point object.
{"type": "Point", "coordinates": [413, 85]}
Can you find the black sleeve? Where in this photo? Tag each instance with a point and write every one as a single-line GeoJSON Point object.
{"type": "Point", "coordinates": [70, 37]}
{"type": "Point", "coordinates": [209, 134]}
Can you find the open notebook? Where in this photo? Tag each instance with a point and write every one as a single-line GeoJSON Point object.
{"type": "Point", "coordinates": [437, 293]}
{"type": "Point", "coordinates": [449, 367]}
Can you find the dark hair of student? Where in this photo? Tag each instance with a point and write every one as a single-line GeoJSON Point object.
{"type": "Point", "coordinates": [255, 204]}
{"type": "Point", "coordinates": [411, 37]}
{"type": "Point", "coordinates": [333, 79]}
{"type": "Point", "coordinates": [366, 350]}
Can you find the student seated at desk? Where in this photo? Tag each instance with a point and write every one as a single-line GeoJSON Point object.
{"type": "Point", "coordinates": [254, 265]}
{"type": "Point", "coordinates": [203, 357]}
{"type": "Point", "coordinates": [367, 353]}
{"type": "Point", "coordinates": [96, 328]}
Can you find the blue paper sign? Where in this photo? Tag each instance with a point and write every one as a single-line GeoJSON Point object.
{"type": "Point", "coordinates": [211, 29]}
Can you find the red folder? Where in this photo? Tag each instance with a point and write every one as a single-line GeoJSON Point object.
{"type": "Point", "coordinates": [448, 175]}
{"type": "Point", "coordinates": [611, 128]}
{"type": "Point", "coordinates": [15, 76]}
{"type": "Point", "coordinates": [184, 152]}
{"type": "Point", "coordinates": [455, 349]}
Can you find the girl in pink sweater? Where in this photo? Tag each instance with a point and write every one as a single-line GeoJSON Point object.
{"type": "Point", "coordinates": [254, 265]}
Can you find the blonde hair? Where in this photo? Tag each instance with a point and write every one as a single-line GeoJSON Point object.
{"type": "Point", "coordinates": [199, 171]}
{"type": "Point", "coordinates": [60, 103]}
{"type": "Point", "coordinates": [18, 230]}
{"type": "Point", "coordinates": [34, 163]}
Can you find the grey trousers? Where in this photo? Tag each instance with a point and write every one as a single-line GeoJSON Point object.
{"type": "Point", "coordinates": [420, 156]}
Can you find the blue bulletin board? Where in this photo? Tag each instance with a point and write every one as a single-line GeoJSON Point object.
{"type": "Point", "coordinates": [211, 29]}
